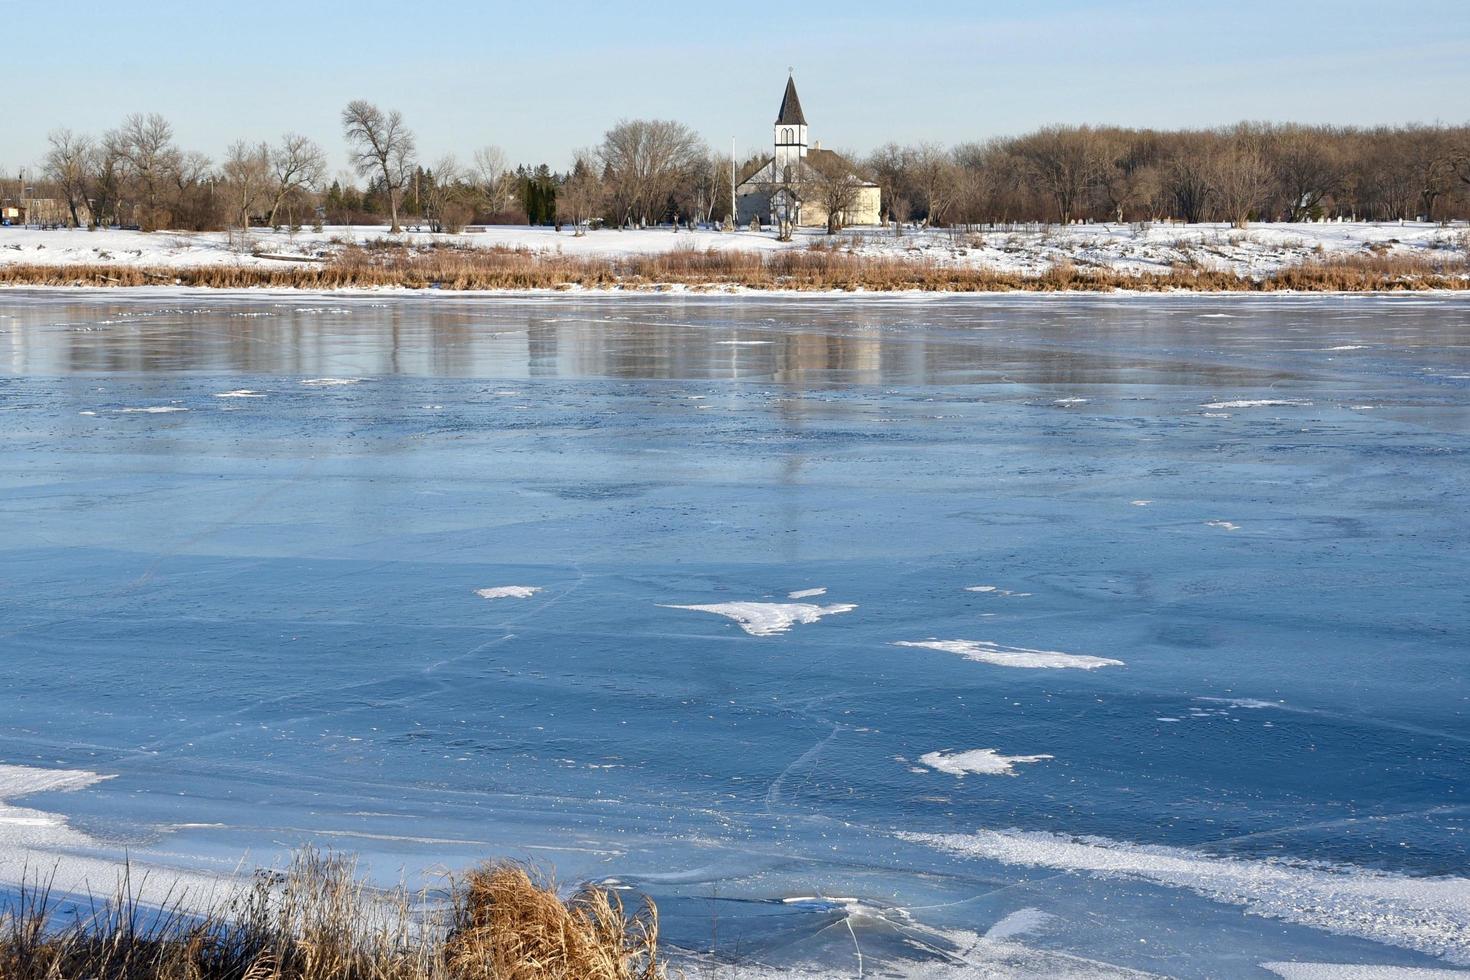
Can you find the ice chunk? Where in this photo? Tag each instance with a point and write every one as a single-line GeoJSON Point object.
{"type": "Point", "coordinates": [985, 762]}
{"type": "Point", "coordinates": [508, 592]}
{"type": "Point", "coordinates": [769, 618]}
{"type": "Point", "coordinates": [988, 652]}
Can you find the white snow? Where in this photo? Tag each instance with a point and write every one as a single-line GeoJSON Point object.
{"type": "Point", "coordinates": [986, 652]}
{"type": "Point", "coordinates": [1018, 923]}
{"type": "Point", "coordinates": [508, 592]}
{"type": "Point", "coordinates": [35, 844]}
{"type": "Point", "coordinates": [985, 762]}
{"type": "Point", "coordinates": [1356, 971]}
{"type": "Point", "coordinates": [1430, 915]}
{"type": "Point", "coordinates": [805, 593]}
{"type": "Point", "coordinates": [329, 382]}
{"type": "Point", "coordinates": [239, 393]}
{"type": "Point", "coordinates": [1030, 249]}
{"type": "Point", "coordinates": [769, 618]}
{"type": "Point", "coordinates": [151, 410]}
{"type": "Point", "coordinates": [1258, 403]}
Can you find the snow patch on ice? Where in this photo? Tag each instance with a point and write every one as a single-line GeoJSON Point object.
{"type": "Point", "coordinates": [1347, 347]}
{"type": "Point", "coordinates": [1355, 971]}
{"type": "Point", "coordinates": [508, 592]}
{"type": "Point", "coordinates": [1018, 923]}
{"type": "Point", "coordinates": [768, 618]}
{"type": "Point", "coordinates": [1226, 525]}
{"type": "Point", "coordinates": [805, 593]}
{"type": "Point", "coordinates": [1140, 503]}
{"type": "Point", "coordinates": [151, 410]}
{"type": "Point", "coordinates": [239, 393]}
{"type": "Point", "coordinates": [330, 382]}
{"type": "Point", "coordinates": [984, 762]}
{"type": "Point", "coordinates": [986, 652]}
{"type": "Point", "coordinates": [1252, 703]}
{"type": "Point", "coordinates": [1258, 403]}
{"type": "Point", "coordinates": [1430, 915]}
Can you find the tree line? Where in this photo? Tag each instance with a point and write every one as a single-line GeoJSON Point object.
{"type": "Point", "coordinates": [646, 172]}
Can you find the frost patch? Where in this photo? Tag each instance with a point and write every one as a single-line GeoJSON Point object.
{"type": "Point", "coordinates": [1258, 403]}
{"type": "Point", "coordinates": [330, 382]}
{"type": "Point", "coordinates": [805, 593]}
{"type": "Point", "coordinates": [151, 410]}
{"type": "Point", "coordinates": [239, 393]}
{"type": "Point", "coordinates": [769, 618]}
{"type": "Point", "coordinates": [986, 652]}
{"type": "Point", "coordinates": [1430, 915]}
{"type": "Point", "coordinates": [983, 762]}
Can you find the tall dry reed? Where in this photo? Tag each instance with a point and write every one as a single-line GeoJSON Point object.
{"type": "Point", "coordinates": [318, 920]}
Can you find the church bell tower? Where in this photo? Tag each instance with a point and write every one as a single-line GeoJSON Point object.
{"type": "Point", "coordinates": [790, 130]}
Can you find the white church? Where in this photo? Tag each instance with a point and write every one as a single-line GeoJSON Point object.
{"type": "Point", "coordinates": [774, 190]}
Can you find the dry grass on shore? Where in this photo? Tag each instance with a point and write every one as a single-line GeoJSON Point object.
{"type": "Point", "coordinates": [462, 268]}
{"type": "Point", "coordinates": [318, 921]}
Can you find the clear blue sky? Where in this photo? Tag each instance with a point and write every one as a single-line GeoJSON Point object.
{"type": "Point", "coordinates": [542, 78]}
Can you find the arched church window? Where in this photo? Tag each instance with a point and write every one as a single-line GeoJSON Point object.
{"type": "Point", "coordinates": [786, 136]}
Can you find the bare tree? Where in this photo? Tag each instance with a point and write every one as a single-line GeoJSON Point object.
{"type": "Point", "coordinates": [105, 180]}
{"type": "Point", "coordinates": [582, 195]}
{"type": "Point", "coordinates": [298, 164]}
{"type": "Point", "coordinates": [446, 196]}
{"type": "Point", "coordinates": [1306, 169]}
{"type": "Point", "coordinates": [835, 190]}
{"type": "Point", "coordinates": [66, 165]}
{"type": "Point", "coordinates": [493, 180]}
{"type": "Point", "coordinates": [1239, 176]}
{"type": "Point", "coordinates": [144, 147]}
{"type": "Point", "coordinates": [936, 176]}
{"type": "Point", "coordinates": [1129, 175]}
{"type": "Point", "coordinates": [645, 161]}
{"type": "Point", "coordinates": [382, 146]}
{"type": "Point", "coordinates": [1066, 162]}
{"type": "Point", "coordinates": [247, 176]}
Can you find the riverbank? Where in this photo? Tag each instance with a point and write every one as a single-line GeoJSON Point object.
{"type": "Point", "coordinates": [1337, 257]}
{"type": "Point", "coordinates": [711, 271]}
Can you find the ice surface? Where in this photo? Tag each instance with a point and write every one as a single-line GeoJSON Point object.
{"type": "Point", "coordinates": [988, 652]}
{"type": "Point", "coordinates": [263, 624]}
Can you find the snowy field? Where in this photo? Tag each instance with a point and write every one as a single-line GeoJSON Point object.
{"type": "Point", "coordinates": [1258, 250]}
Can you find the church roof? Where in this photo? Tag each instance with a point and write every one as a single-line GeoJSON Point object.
{"type": "Point", "coordinates": [790, 114]}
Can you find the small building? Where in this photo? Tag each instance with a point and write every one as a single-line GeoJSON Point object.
{"type": "Point", "coordinates": [787, 184]}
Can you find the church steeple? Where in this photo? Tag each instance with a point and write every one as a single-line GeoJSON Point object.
{"type": "Point", "coordinates": [790, 129]}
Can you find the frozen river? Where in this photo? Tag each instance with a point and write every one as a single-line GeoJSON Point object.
{"type": "Point", "coordinates": [1040, 636]}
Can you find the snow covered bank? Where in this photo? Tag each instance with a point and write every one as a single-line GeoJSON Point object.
{"type": "Point", "coordinates": [1030, 250]}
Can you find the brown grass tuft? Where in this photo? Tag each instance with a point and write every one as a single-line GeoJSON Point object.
{"type": "Point", "coordinates": [511, 925]}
